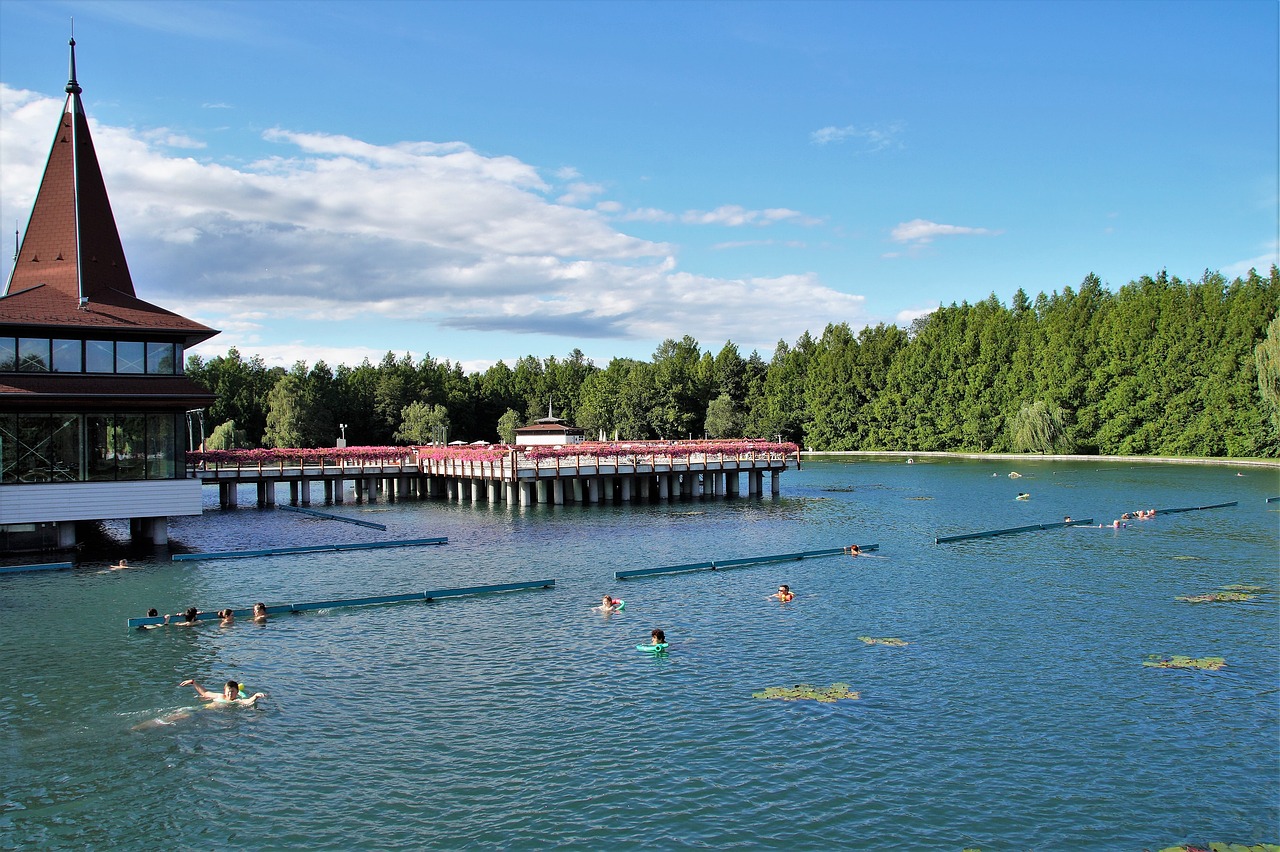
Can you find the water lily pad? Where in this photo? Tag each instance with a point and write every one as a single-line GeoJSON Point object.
{"type": "Point", "coordinates": [1224, 847]}
{"type": "Point", "coordinates": [805, 692]}
{"type": "Point", "coordinates": [1246, 587]}
{"type": "Point", "coordinates": [1216, 597]}
{"type": "Point", "coordinates": [893, 643]}
{"type": "Point", "coordinates": [1180, 662]}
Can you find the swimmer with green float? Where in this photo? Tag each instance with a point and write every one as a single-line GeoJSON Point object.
{"type": "Point", "coordinates": [609, 604]}
{"type": "Point", "coordinates": [657, 643]}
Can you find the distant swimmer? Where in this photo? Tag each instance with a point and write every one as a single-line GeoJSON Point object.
{"type": "Point", "coordinates": [151, 613]}
{"type": "Point", "coordinates": [1022, 495]}
{"type": "Point", "coordinates": [259, 613]}
{"type": "Point", "coordinates": [853, 550]}
{"type": "Point", "coordinates": [189, 618]}
{"type": "Point", "coordinates": [611, 604]}
{"type": "Point", "coordinates": [1015, 475]}
{"type": "Point", "coordinates": [120, 566]}
{"type": "Point", "coordinates": [228, 617]}
{"type": "Point", "coordinates": [230, 694]}
{"type": "Point", "coordinates": [784, 593]}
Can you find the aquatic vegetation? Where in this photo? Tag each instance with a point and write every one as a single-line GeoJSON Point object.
{"type": "Point", "coordinates": [1180, 662]}
{"type": "Point", "coordinates": [919, 498]}
{"type": "Point", "coordinates": [1246, 587]}
{"type": "Point", "coordinates": [805, 692]}
{"type": "Point", "coordinates": [1224, 847]}
{"type": "Point", "coordinates": [1216, 597]}
{"type": "Point", "coordinates": [893, 643]}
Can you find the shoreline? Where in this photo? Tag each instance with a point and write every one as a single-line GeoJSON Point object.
{"type": "Point", "coordinates": [1259, 463]}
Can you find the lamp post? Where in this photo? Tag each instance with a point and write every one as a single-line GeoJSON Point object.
{"type": "Point", "coordinates": [342, 442]}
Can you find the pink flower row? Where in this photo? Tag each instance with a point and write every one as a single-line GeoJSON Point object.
{"type": "Point", "coordinates": [306, 454]}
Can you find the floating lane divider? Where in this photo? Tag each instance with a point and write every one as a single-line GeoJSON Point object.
{"type": "Point", "coordinates": [737, 563]}
{"type": "Point", "coordinates": [1196, 508]}
{"type": "Point", "coordinates": [313, 548]}
{"type": "Point", "coordinates": [281, 609]}
{"type": "Point", "coordinates": [943, 539]}
{"type": "Point", "coordinates": [332, 517]}
{"type": "Point", "coordinates": [48, 566]}
{"type": "Point", "coordinates": [1273, 499]}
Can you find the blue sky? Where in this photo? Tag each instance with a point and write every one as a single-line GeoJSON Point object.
{"type": "Point", "coordinates": [483, 181]}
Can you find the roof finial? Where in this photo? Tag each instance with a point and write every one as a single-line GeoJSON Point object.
{"type": "Point", "coordinates": [73, 88]}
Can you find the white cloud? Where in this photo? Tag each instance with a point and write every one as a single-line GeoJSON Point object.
{"type": "Point", "coordinates": [732, 215]}
{"type": "Point", "coordinates": [166, 137]}
{"type": "Point", "coordinates": [335, 230]}
{"type": "Point", "coordinates": [1262, 263]}
{"type": "Point", "coordinates": [580, 193]}
{"type": "Point", "coordinates": [922, 231]}
{"type": "Point", "coordinates": [868, 139]}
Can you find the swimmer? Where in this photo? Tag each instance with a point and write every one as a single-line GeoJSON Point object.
{"type": "Point", "coordinates": [120, 566]}
{"type": "Point", "coordinates": [230, 694]}
{"type": "Point", "coordinates": [657, 637]}
{"type": "Point", "coordinates": [259, 613]}
{"type": "Point", "coordinates": [1066, 519]}
{"type": "Point", "coordinates": [784, 593]}
{"type": "Point", "coordinates": [189, 618]}
{"type": "Point", "coordinates": [1015, 475]}
{"type": "Point", "coordinates": [853, 550]}
{"type": "Point", "coordinates": [228, 617]}
{"type": "Point", "coordinates": [1022, 495]}
{"type": "Point", "coordinates": [151, 613]}
{"type": "Point", "coordinates": [610, 604]}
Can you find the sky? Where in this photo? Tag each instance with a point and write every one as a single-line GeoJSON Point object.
{"type": "Point", "coordinates": [483, 181]}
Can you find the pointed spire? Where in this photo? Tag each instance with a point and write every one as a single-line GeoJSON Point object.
{"type": "Point", "coordinates": [73, 88]}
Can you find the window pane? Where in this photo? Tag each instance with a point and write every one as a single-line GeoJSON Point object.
{"type": "Point", "coordinates": [130, 446]}
{"type": "Point", "coordinates": [33, 448]}
{"type": "Point", "coordinates": [177, 358]}
{"type": "Point", "coordinates": [99, 356]}
{"type": "Point", "coordinates": [130, 357]}
{"type": "Point", "coordinates": [8, 353]}
{"type": "Point", "coordinates": [66, 356]}
{"type": "Point", "coordinates": [33, 354]}
{"type": "Point", "coordinates": [64, 448]}
{"type": "Point", "coordinates": [101, 454]}
{"type": "Point", "coordinates": [160, 358]}
{"type": "Point", "coordinates": [160, 446]}
{"type": "Point", "coordinates": [8, 448]}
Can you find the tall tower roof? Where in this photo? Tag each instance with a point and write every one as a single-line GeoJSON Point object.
{"type": "Point", "coordinates": [70, 268]}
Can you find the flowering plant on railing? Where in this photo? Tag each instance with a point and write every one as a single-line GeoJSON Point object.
{"type": "Point", "coordinates": [662, 449]}
{"type": "Point", "coordinates": [302, 455]}
{"type": "Point", "coordinates": [464, 452]}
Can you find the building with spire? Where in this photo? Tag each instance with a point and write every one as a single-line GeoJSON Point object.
{"type": "Point", "coordinates": [93, 400]}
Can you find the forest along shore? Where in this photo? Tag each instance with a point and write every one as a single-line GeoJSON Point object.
{"type": "Point", "coordinates": [1263, 463]}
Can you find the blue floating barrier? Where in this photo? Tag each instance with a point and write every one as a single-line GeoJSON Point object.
{"type": "Point", "coordinates": [337, 603]}
{"type": "Point", "coordinates": [1196, 508]}
{"type": "Point", "coordinates": [737, 563]}
{"type": "Point", "coordinates": [943, 539]}
{"type": "Point", "coordinates": [1273, 499]}
{"type": "Point", "coordinates": [329, 516]}
{"type": "Point", "coordinates": [47, 566]}
{"type": "Point", "coordinates": [316, 548]}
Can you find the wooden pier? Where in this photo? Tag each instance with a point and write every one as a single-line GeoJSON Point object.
{"type": "Point", "coordinates": [638, 472]}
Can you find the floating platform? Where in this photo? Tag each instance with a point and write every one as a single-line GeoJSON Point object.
{"type": "Point", "coordinates": [738, 563]}
{"type": "Point", "coordinates": [47, 566]}
{"type": "Point", "coordinates": [943, 539]}
{"type": "Point", "coordinates": [313, 548]}
{"type": "Point", "coordinates": [329, 516]}
{"type": "Point", "coordinates": [281, 609]}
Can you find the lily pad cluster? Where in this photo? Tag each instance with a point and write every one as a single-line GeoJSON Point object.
{"type": "Point", "coordinates": [1224, 847]}
{"type": "Point", "coordinates": [891, 642]}
{"type": "Point", "coordinates": [1179, 662]}
{"type": "Point", "coordinates": [1216, 597]}
{"type": "Point", "coordinates": [805, 692]}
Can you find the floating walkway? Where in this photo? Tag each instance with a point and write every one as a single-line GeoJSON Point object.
{"type": "Point", "coordinates": [1196, 508]}
{"type": "Point", "coordinates": [329, 516]}
{"type": "Point", "coordinates": [312, 548]}
{"type": "Point", "coordinates": [47, 566]}
{"type": "Point", "coordinates": [943, 539]}
{"type": "Point", "coordinates": [738, 563]}
{"type": "Point", "coordinates": [280, 609]}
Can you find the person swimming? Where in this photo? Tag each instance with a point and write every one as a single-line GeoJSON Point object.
{"type": "Point", "coordinates": [784, 593]}
{"type": "Point", "coordinates": [611, 604]}
{"type": "Point", "coordinates": [228, 617]}
{"type": "Point", "coordinates": [120, 566]}
{"type": "Point", "coordinates": [231, 694]}
{"type": "Point", "coordinates": [189, 618]}
{"type": "Point", "coordinates": [657, 637]}
{"type": "Point", "coordinates": [853, 550]}
{"type": "Point", "coordinates": [259, 613]}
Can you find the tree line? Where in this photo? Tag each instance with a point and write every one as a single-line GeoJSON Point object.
{"type": "Point", "coordinates": [1159, 367]}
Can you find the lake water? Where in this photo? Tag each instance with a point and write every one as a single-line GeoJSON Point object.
{"type": "Point", "coordinates": [1018, 717]}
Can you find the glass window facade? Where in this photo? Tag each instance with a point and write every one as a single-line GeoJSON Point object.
{"type": "Point", "coordinates": [41, 355]}
{"type": "Point", "coordinates": [90, 447]}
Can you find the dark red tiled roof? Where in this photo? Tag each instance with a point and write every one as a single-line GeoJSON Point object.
{"type": "Point", "coordinates": [72, 249]}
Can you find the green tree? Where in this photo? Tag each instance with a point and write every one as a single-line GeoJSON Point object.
{"type": "Point", "coordinates": [1267, 357]}
{"type": "Point", "coordinates": [226, 437]}
{"type": "Point", "coordinates": [507, 425]}
{"type": "Point", "coordinates": [1039, 428]}
{"type": "Point", "coordinates": [423, 423]}
{"type": "Point", "coordinates": [724, 420]}
{"type": "Point", "coordinates": [296, 416]}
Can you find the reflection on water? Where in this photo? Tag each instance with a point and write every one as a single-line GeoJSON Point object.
{"type": "Point", "coordinates": [1018, 715]}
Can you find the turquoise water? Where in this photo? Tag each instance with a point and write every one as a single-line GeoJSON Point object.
{"type": "Point", "coordinates": [1019, 716]}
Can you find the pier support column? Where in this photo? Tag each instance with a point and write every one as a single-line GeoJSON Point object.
{"type": "Point", "coordinates": [686, 484]}
{"type": "Point", "coordinates": [644, 483]}
{"type": "Point", "coordinates": [328, 490]}
{"type": "Point", "coordinates": [227, 495]}
{"type": "Point", "coordinates": [491, 490]}
{"type": "Point", "coordinates": [293, 493]}
{"type": "Point", "coordinates": [266, 494]}
{"type": "Point", "coordinates": [626, 489]}
{"type": "Point", "coordinates": [591, 489]}
{"type": "Point", "coordinates": [371, 489]}
{"type": "Point", "coordinates": [775, 483]}
{"type": "Point", "coordinates": [304, 492]}
{"type": "Point", "coordinates": [557, 492]}
{"type": "Point", "coordinates": [579, 495]}
{"type": "Point", "coordinates": [608, 489]}
{"type": "Point", "coordinates": [526, 494]}
{"type": "Point", "coordinates": [664, 487]}
{"type": "Point", "coordinates": [475, 490]}
{"type": "Point", "coordinates": [695, 483]}
{"type": "Point", "coordinates": [755, 483]}
{"type": "Point", "coordinates": [717, 484]}
{"type": "Point", "coordinates": [512, 495]}
{"type": "Point", "coordinates": [731, 483]}
{"type": "Point", "coordinates": [541, 492]}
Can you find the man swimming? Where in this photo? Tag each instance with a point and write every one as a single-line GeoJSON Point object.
{"type": "Point", "coordinates": [230, 694]}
